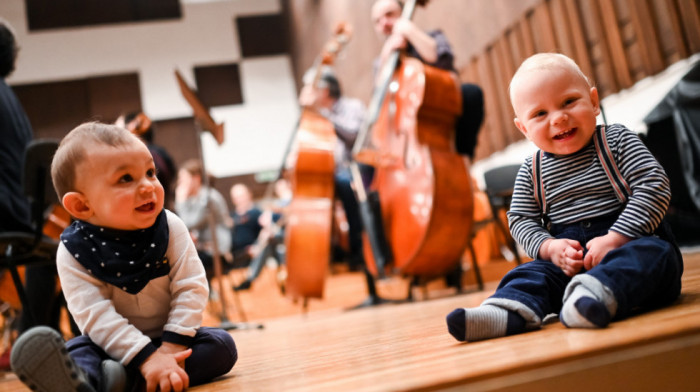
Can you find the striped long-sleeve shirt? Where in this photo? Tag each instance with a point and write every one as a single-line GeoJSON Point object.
{"type": "Point", "coordinates": [576, 188]}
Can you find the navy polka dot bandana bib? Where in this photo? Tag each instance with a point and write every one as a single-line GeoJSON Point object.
{"type": "Point", "coordinates": [127, 259]}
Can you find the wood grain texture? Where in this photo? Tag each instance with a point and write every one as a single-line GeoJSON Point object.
{"type": "Point", "coordinates": [407, 347]}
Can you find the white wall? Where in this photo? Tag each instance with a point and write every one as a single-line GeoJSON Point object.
{"type": "Point", "coordinates": [256, 131]}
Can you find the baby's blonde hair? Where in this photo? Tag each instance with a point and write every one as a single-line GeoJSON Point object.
{"type": "Point", "coordinates": [73, 149]}
{"type": "Point", "coordinates": [547, 61]}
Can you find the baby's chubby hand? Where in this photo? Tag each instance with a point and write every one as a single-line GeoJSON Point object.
{"type": "Point", "coordinates": [600, 246]}
{"type": "Point", "coordinates": [564, 253]}
{"type": "Point", "coordinates": [162, 370]}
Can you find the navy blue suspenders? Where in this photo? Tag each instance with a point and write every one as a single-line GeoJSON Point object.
{"type": "Point", "coordinates": [622, 189]}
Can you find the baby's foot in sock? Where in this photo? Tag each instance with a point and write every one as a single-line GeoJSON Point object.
{"type": "Point", "coordinates": [457, 324]}
{"type": "Point", "coordinates": [583, 310]}
{"type": "Point", "coordinates": [483, 322]}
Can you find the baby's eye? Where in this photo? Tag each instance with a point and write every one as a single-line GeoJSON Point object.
{"type": "Point", "coordinates": [539, 113]}
{"type": "Point", "coordinates": [151, 173]}
{"type": "Point", "coordinates": [569, 101]}
{"type": "Point", "coordinates": [126, 178]}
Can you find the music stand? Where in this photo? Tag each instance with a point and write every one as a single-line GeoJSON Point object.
{"type": "Point", "coordinates": [204, 122]}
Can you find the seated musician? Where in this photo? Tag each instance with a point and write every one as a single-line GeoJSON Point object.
{"type": "Point", "coordinates": [346, 114]}
{"type": "Point", "coordinates": [194, 204]}
{"type": "Point", "coordinates": [270, 241]}
{"type": "Point", "coordinates": [16, 134]}
{"type": "Point", "coordinates": [431, 48]}
{"type": "Point", "coordinates": [246, 225]}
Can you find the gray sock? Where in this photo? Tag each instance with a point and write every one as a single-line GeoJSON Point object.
{"type": "Point", "coordinates": [488, 321]}
{"type": "Point", "coordinates": [587, 304]}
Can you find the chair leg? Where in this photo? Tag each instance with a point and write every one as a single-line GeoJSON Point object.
{"type": "Point", "coordinates": [19, 287]}
{"type": "Point", "coordinates": [506, 235]}
{"type": "Point", "coordinates": [475, 266]}
{"type": "Point", "coordinates": [514, 247]}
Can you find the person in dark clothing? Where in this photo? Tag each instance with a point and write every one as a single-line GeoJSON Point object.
{"type": "Point", "coordinates": [246, 225]}
{"type": "Point", "coordinates": [16, 133]}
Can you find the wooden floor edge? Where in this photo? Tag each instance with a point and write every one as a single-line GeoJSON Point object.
{"type": "Point", "coordinates": [662, 354]}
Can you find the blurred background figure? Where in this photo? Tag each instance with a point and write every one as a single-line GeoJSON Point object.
{"type": "Point", "coordinates": [346, 114]}
{"type": "Point", "coordinates": [197, 205]}
{"type": "Point", "coordinates": [16, 133]}
{"type": "Point", "coordinates": [246, 225]}
{"type": "Point", "coordinates": [270, 241]}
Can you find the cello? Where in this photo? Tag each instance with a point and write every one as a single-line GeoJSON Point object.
{"type": "Point", "coordinates": [421, 185]}
{"type": "Point", "coordinates": [309, 215]}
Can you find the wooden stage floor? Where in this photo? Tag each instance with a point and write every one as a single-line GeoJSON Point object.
{"type": "Point", "coordinates": [406, 347]}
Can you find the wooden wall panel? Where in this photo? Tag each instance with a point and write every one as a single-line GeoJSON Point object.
{"type": "Point", "coordinates": [54, 108]}
{"type": "Point", "coordinates": [613, 40]}
{"type": "Point", "coordinates": [560, 28]}
{"type": "Point", "coordinates": [667, 23]}
{"type": "Point", "coordinates": [602, 71]}
{"type": "Point", "coordinates": [647, 39]}
{"type": "Point", "coordinates": [690, 17]}
{"type": "Point", "coordinates": [113, 95]}
{"type": "Point", "coordinates": [51, 14]}
{"type": "Point", "coordinates": [581, 53]}
{"type": "Point", "coordinates": [492, 101]}
{"type": "Point", "coordinates": [219, 85]}
{"type": "Point", "coordinates": [262, 35]}
{"type": "Point", "coordinates": [542, 30]}
{"type": "Point", "coordinates": [50, 113]}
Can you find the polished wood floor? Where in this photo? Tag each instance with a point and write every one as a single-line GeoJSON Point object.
{"type": "Point", "coordinates": [406, 347]}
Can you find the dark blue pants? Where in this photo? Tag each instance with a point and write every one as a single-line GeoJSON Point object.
{"type": "Point", "coordinates": [213, 355]}
{"type": "Point", "coordinates": [271, 249]}
{"type": "Point", "coordinates": [643, 274]}
{"type": "Point", "coordinates": [344, 192]}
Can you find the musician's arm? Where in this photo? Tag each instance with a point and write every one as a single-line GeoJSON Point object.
{"type": "Point", "coordinates": [422, 42]}
{"type": "Point", "coordinates": [347, 119]}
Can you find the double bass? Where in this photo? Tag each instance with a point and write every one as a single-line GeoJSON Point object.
{"type": "Point", "coordinates": [420, 222]}
{"type": "Point", "coordinates": [309, 216]}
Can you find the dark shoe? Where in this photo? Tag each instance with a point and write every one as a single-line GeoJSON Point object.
{"type": "Point", "coordinates": [113, 377]}
{"type": "Point", "coordinates": [243, 286]}
{"type": "Point", "coordinates": [41, 361]}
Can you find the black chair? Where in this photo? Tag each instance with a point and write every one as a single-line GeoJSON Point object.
{"type": "Point", "coordinates": [23, 248]}
{"type": "Point", "coordinates": [499, 183]}
{"type": "Point", "coordinates": [499, 191]}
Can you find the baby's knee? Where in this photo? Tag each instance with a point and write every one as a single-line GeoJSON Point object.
{"type": "Point", "coordinates": [214, 354]}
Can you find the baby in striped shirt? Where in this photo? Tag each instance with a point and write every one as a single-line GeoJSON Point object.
{"type": "Point", "coordinates": [588, 207]}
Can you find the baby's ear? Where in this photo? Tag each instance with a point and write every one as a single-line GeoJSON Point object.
{"type": "Point", "coordinates": [520, 126]}
{"type": "Point", "coordinates": [595, 100]}
{"type": "Point", "coordinates": [76, 205]}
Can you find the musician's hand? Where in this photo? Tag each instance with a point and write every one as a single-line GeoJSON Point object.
{"type": "Point", "coordinates": [265, 219]}
{"type": "Point", "coordinates": [394, 42]}
{"type": "Point", "coordinates": [308, 97]}
{"type": "Point", "coordinates": [403, 27]}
